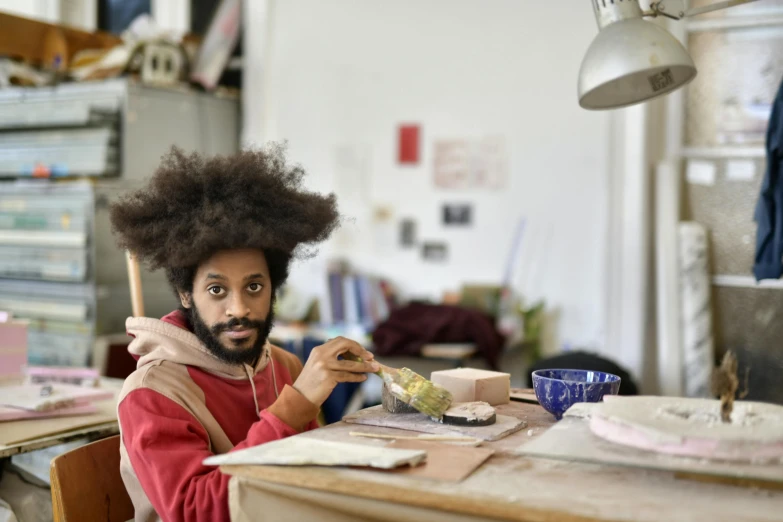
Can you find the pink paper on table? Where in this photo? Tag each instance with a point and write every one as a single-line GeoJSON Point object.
{"type": "Point", "coordinates": [29, 396]}
{"type": "Point", "coordinates": [9, 414]}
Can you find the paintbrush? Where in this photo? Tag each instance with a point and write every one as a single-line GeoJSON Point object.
{"type": "Point", "coordinates": [411, 388]}
{"type": "Point", "coordinates": [459, 440]}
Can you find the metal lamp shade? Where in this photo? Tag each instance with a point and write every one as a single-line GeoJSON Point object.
{"type": "Point", "coordinates": [631, 61]}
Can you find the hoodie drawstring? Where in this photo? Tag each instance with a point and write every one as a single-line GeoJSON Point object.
{"type": "Point", "coordinates": [253, 384]}
{"type": "Point", "coordinates": [253, 387]}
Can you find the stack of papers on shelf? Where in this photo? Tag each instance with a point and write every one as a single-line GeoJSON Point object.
{"type": "Point", "coordinates": [89, 377]}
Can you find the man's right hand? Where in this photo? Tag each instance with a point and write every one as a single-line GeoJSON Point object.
{"type": "Point", "coordinates": [323, 370]}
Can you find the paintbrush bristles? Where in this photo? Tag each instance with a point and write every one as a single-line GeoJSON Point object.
{"type": "Point", "coordinates": [413, 389]}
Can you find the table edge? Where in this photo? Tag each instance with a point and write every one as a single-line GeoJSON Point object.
{"type": "Point", "coordinates": [327, 480]}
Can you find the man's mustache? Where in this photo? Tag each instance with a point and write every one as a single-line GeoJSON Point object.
{"type": "Point", "coordinates": [244, 322]}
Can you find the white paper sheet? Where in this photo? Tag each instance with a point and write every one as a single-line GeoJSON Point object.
{"type": "Point", "coordinates": [701, 172]}
{"type": "Point", "coordinates": [307, 451]}
{"type": "Point", "coordinates": [740, 170]}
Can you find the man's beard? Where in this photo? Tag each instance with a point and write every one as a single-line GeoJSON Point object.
{"type": "Point", "coordinates": [209, 336]}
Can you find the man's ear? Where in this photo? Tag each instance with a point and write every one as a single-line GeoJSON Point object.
{"type": "Point", "coordinates": [185, 299]}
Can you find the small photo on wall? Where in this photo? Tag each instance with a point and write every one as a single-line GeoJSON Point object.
{"type": "Point", "coordinates": [407, 233]}
{"type": "Point", "coordinates": [457, 214]}
{"type": "Point", "coordinates": [435, 252]}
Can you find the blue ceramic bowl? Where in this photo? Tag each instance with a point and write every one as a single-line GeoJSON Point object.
{"type": "Point", "coordinates": [557, 390]}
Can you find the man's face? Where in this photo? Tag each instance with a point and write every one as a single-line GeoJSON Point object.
{"type": "Point", "coordinates": [230, 308]}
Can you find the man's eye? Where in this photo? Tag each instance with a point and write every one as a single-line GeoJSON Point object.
{"type": "Point", "coordinates": [215, 290]}
{"type": "Point", "coordinates": [255, 287]}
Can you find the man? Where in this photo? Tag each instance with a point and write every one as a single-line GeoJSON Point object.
{"type": "Point", "coordinates": [225, 230]}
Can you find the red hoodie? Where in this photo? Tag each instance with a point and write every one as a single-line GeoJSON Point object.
{"type": "Point", "coordinates": [182, 405]}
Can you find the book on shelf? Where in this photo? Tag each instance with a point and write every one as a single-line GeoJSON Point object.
{"type": "Point", "coordinates": [358, 299]}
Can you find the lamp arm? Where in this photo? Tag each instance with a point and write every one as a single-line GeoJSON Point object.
{"type": "Point", "coordinates": [660, 8]}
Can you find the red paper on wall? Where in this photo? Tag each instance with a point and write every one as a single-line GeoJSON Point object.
{"type": "Point", "coordinates": [409, 144]}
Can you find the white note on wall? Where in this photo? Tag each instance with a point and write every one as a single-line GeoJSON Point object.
{"type": "Point", "coordinates": [701, 172]}
{"type": "Point", "coordinates": [740, 170]}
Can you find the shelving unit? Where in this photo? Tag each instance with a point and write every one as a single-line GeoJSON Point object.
{"type": "Point", "coordinates": [47, 271]}
{"type": "Point", "coordinates": [57, 132]}
{"type": "Point", "coordinates": [738, 54]}
{"type": "Point", "coordinates": [94, 141]}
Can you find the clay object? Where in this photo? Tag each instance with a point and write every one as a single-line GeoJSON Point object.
{"type": "Point", "coordinates": [692, 427]}
{"type": "Point", "coordinates": [558, 390]}
{"type": "Point", "coordinates": [470, 414]}
{"type": "Point", "coordinates": [471, 385]}
{"type": "Point", "coordinates": [394, 405]}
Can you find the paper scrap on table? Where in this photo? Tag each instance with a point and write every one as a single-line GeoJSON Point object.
{"type": "Point", "coordinates": [701, 173]}
{"type": "Point", "coordinates": [740, 170]}
{"type": "Point", "coordinates": [444, 461]}
{"type": "Point", "coordinates": [308, 451]}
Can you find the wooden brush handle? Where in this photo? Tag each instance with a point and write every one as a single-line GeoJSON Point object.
{"type": "Point", "coordinates": [442, 438]}
{"type": "Point", "coordinates": [348, 356]}
{"type": "Point", "coordinates": [134, 280]}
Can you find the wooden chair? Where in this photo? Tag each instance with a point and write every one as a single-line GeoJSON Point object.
{"type": "Point", "coordinates": [86, 484]}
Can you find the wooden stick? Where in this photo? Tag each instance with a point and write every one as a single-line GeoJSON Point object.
{"type": "Point", "coordinates": [134, 280]}
{"type": "Point", "coordinates": [441, 438]}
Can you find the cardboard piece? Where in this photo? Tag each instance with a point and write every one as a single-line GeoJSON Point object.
{"type": "Point", "coordinates": [445, 462]}
{"type": "Point", "coordinates": [418, 422]}
{"type": "Point", "coordinates": [524, 395]}
{"type": "Point", "coordinates": [472, 385]}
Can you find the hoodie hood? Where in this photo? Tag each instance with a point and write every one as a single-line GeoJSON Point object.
{"type": "Point", "coordinates": [158, 340]}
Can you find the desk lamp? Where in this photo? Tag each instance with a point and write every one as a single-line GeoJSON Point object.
{"type": "Point", "coordinates": [632, 60]}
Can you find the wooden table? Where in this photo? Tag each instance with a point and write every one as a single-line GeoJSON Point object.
{"type": "Point", "coordinates": [30, 435]}
{"type": "Point", "coordinates": [507, 487]}
{"type": "Point", "coordinates": [97, 431]}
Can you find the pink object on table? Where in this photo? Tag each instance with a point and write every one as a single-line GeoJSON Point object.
{"type": "Point", "coordinates": [13, 348]}
{"type": "Point", "coordinates": [49, 397]}
{"type": "Point", "coordinates": [10, 414]}
{"type": "Point", "coordinates": [691, 427]}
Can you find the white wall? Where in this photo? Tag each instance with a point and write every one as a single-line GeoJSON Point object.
{"type": "Point", "coordinates": [44, 10]}
{"type": "Point", "coordinates": [347, 72]}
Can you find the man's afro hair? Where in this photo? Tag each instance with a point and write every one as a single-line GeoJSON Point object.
{"type": "Point", "coordinates": [195, 206]}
